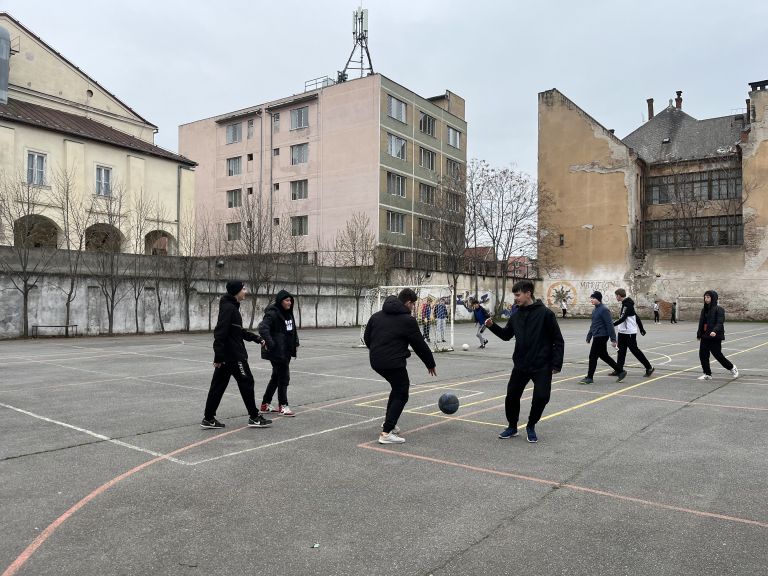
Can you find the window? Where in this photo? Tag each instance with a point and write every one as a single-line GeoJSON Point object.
{"type": "Point", "coordinates": [276, 221]}
{"type": "Point", "coordinates": [396, 146]}
{"type": "Point", "coordinates": [426, 193]}
{"type": "Point", "coordinates": [426, 261]}
{"type": "Point", "coordinates": [453, 201]}
{"type": "Point", "coordinates": [276, 186]}
{"type": "Point", "coordinates": [426, 124]}
{"type": "Point", "coordinates": [233, 231]}
{"type": "Point", "coordinates": [693, 186]}
{"type": "Point", "coordinates": [395, 108]}
{"type": "Point", "coordinates": [299, 189]}
{"type": "Point", "coordinates": [395, 184]}
{"type": "Point", "coordinates": [103, 181]}
{"type": "Point", "coordinates": [398, 258]}
{"type": "Point", "coordinates": [426, 229]}
{"type": "Point", "coordinates": [250, 190]}
{"type": "Point", "coordinates": [562, 241]}
{"type": "Point", "coordinates": [234, 198]}
{"type": "Point", "coordinates": [35, 168]}
{"type": "Point", "coordinates": [233, 166]}
{"type": "Point", "coordinates": [299, 118]}
{"type": "Point", "coordinates": [276, 152]}
{"type": "Point", "coordinates": [250, 128]}
{"type": "Point", "coordinates": [234, 133]}
{"type": "Point", "coordinates": [695, 232]}
{"type": "Point", "coordinates": [299, 225]}
{"type": "Point", "coordinates": [427, 159]}
{"type": "Point", "coordinates": [453, 168]}
{"type": "Point", "coordinates": [299, 154]}
{"type": "Point", "coordinates": [454, 137]}
{"type": "Point", "coordinates": [250, 157]}
{"type": "Point", "coordinates": [395, 222]}
{"type": "Point", "coordinates": [276, 122]}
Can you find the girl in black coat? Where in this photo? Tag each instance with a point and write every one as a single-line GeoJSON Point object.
{"type": "Point", "coordinates": [711, 334]}
{"type": "Point", "coordinates": [278, 329]}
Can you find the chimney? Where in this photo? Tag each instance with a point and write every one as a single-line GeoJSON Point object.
{"type": "Point", "coordinates": [679, 100]}
{"type": "Point", "coordinates": [650, 108]}
{"type": "Point", "coordinates": [748, 115]}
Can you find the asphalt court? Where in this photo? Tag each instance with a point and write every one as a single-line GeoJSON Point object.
{"type": "Point", "coordinates": [105, 469]}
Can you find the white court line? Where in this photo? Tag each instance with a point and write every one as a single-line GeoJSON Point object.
{"type": "Point", "coordinates": [286, 441]}
{"type": "Point", "coordinates": [93, 434]}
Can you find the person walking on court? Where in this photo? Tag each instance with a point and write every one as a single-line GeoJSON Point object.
{"type": "Point", "coordinates": [711, 333]}
{"type": "Point", "coordinates": [599, 333]}
{"type": "Point", "coordinates": [426, 317]}
{"type": "Point", "coordinates": [278, 329]}
{"type": "Point", "coordinates": [387, 336]}
{"type": "Point", "coordinates": [230, 358]}
{"type": "Point", "coordinates": [673, 320]}
{"type": "Point", "coordinates": [564, 307]}
{"type": "Point", "coordinates": [441, 315]}
{"type": "Point", "coordinates": [627, 326]}
{"type": "Point", "coordinates": [656, 312]}
{"type": "Point", "coordinates": [538, 354]}
{"type": "Point", "coordinates": [481, 315]}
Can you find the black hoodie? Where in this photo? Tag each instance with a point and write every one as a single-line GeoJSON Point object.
{"type": "Point", "coordinates": [539, 343]}
{"type": "Point", "coordinates": [388, 333]}
{"type": "Point", "coordinates": [229, 333]}
{"type": "Point", "coordinates": [712, 319]}
{"type": "Point", "coordinates": [278, 328]}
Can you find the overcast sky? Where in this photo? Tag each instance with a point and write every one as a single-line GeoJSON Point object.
{"type": "Point", "coordinates": [177, 61]}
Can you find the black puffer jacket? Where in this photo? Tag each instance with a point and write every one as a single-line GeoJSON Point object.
{"type": "Point", "coordinates": [538, 341]}
{"type": "Point", "coordinates": [278, 328]}
{"type": "Point", "coordinates": [228, 336]}
{"type": "Point", "coordinates": [712, 319]}
{"type": "Point", "coordinates": [388, 334]}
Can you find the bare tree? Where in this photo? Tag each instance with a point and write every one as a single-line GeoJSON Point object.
{"type": "Point", "coordinates": [356, 244]}
{"type": "Point", "coordinates": [477, 178]}
{"type": "Point", "coordinates": [32, 237]}
{"type": "Point", "coordinates": [141, 210]}
{"type": "Point", "coordinates": [160, 262]}
{"type": "Point", "coordinates": [297, 257]}
{"type": "Point", "coordinates": [190, 252]}
{"type": "Point", "coordinates": [210, 237]}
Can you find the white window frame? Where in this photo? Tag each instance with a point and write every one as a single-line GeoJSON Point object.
{"type": "Point", "coordinates": [427, 158]}
{"type": "Point", "coordinates": [250, 128]}
{"type": "Point", "coordinates": [452, 168]}
{"type": "Point", "coordinates": [427, 124]}
{"type": "Point", "coordinates": [299, 154]}
{"type": "Point", "coordinates": [103, 180]}
{"type": "Point", "coordinates": [395, 222]}
{"type": "Point", "coordinates": [396, 184]}
{"type": "Point", "coordinates": [36, 165]}
{"type": "Point", "coordinates": [235, 198]}
{"type": "Point", "coordinates": [427, 193]}
{"type": "Point", "coordinates": [397, 146]}
{"type": "Point", "coordinates": [234, 166]}
{"type": "Point", "coordinates": [299, 189]}
{"type": "Point", "coordinates": [454, 138]}
{"type": "Point", "coordinates": [276, 122]}
{"type": "Point", "coordinates": [300, 118]}
{"type": "Point", "coordinates": [234, 133]}
{"type": "Point", "coordinates": [234, 231]}
{"type": "Point", "coordinates": [453, 201]}
{"type": "Point", "coordinates": [396, 108]}
{"type": "Point", "coordinates": [299, 225]}
{"type": "Point", "coordinates": [426, 228]}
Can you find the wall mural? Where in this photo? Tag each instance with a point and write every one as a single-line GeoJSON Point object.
{"type": "Point", "coordinates": [561, 291]}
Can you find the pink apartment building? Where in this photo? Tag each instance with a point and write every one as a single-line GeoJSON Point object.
{"type": "Point", "coordinates": [312, 160]}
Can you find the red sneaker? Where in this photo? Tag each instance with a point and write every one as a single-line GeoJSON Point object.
{"type": "Point", "coordinates": [267, 407]}
{"type": "Point", "coordinates": [286, 411]}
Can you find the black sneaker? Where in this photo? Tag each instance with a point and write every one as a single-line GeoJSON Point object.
{"type": "Point", "coordinates": [650, 371]}
{"type": "Point", "coordinates": [621, 375]}
{"type": "Point", "coordinates": [259, 422]}
{"type": "Point", "coordinates": [212, 423]}
{"type": "Point", "coordinates": [614, 373]}
{"type": "Point", "coordinates": [531, 433]}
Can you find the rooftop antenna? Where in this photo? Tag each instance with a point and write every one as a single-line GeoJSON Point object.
{"type": "Point", "coordinates": [360, 34]}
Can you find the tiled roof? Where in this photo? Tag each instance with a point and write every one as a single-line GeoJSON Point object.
{"type": "Point", "coordinates": [81, 127]}
{"type": "Point", "coordinates": [673, 136]}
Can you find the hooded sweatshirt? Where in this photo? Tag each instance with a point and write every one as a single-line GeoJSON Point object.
{"type": "Point", "coordinates": [629, 322]}
{"type": "Point", "coordinates": [388, 334]}
{"type": "Point", "coordinates": [228, 336]}
{"type": "Point", "coordinates": [278, 328]}
{"type": "Point", "coordinates": [711, 319]}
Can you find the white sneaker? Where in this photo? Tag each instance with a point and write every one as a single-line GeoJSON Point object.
{"type": "Point", "coordinates": [705, 377]}
{"type": "Point", "coordinates": [391, 438]}
{"type": "Point", "coordinates": [396, 429]}
{"type": "Point", "coordinates": [285, 410]}
{"type": "Point", "coordinates": [735, 372]}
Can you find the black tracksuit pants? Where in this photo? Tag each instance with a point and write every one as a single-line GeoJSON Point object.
{"type": "Point", "coordinates": [629, 341]}
{"type": "Point", "coordinates": [242, 373]}
{"type": "Point", "coordinates": [713, 346]}
{"type": "Point", "coordinates": [281, 377]}
{"type": "Point", "coordinates": [542, 387]}
{"type": "Point", "coordinates": [599, 350]}
{"type": "Point", "coordinates": [398, 397]}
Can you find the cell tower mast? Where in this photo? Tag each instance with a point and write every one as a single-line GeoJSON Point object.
{"type": "Point", "coordinates": [360, 34]}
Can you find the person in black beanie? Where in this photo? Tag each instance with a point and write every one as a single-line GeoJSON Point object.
{"type": "Point", "coordinates": [230, 358]}
{"type": "Point", "coordinates": [711, 333]}
{"type": "Point", "coordinates": [278, 329]}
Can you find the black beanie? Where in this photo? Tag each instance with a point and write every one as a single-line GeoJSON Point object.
{"type": "Point", "coordinates": [597, 295]}
{"type": "Point", "coordinates": [234, 287]}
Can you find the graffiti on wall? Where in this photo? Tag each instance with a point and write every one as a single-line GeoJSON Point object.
{"type": "Point", "coordinates": [561, 291]}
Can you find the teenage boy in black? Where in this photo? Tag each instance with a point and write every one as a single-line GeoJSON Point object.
{"type": "Point", "coordinates": [711, 334]}
{"type": "Point", "coordinates": [539, 349]}
{"type": "Point", "coordinates": [387, 336]}
{"type": "Point", "coordinates": [278, 329]}
{"type": "Point", "coordinates": [230, 358]}
{"type": "Point", "coordinates": [627, 326]}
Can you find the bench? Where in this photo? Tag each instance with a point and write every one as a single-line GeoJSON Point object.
{"type": "Point", "coordinates": [68, 328]}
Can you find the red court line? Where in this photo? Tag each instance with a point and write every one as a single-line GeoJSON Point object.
{"type": "Point", "coordinates": [575, 487]}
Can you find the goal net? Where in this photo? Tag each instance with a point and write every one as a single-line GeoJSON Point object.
{"type": "Point", "coordinates": [433, 312]}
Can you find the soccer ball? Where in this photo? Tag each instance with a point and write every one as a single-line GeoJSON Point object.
{"type": "Point", "coordinates": [465, 347]}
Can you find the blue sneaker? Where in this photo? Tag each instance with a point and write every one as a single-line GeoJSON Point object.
{"type": "Point", "coordinates": [510, 432]}
{"type": "Point", "coordinates": [532, 438]}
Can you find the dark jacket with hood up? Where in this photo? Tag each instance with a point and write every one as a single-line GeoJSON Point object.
{"type": "Point", "coordinates": [388, 333]}
{"type": "Point", "coordinates": [712, 319]}
{"type": "Point", "coordinates": [228, 336]}
{"type": "Point", "coordinates": [539, 343]}
{"type": "Point", "coordinates": [278, 328]}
